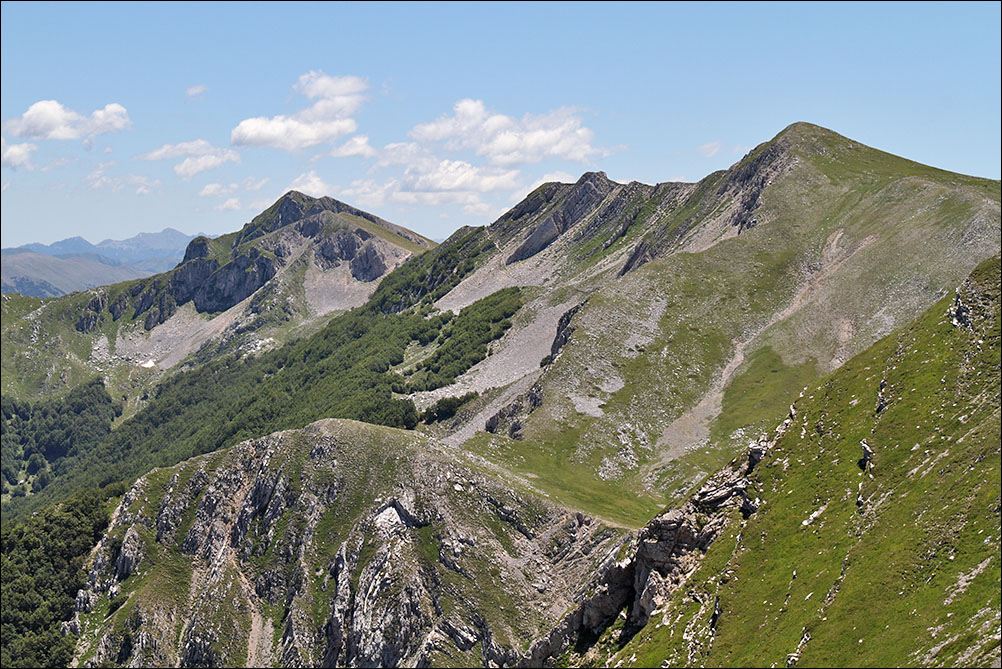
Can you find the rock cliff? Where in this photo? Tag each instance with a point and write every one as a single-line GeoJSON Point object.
{"type": "Point", "coordinates": [217, 274]}
{"type": "Point", "coordinates": [340, 544]}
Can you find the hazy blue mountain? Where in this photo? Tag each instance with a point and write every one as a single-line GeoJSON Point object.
{"type": "Point", "coordinates": [50, 270]}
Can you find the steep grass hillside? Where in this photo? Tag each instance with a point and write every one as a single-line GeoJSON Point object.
{"type": "Point", "coordinates": [802, 255]}
{"type": "Point", "coordinates": [886, 559]}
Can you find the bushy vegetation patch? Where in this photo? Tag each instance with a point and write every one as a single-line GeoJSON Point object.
{"type": "Point", "coordinates": [42, 569]}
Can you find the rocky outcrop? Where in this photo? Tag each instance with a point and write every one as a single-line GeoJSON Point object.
{"type": "Point", "coordinates": [586, 194]}
{"type": "Point", "coordinates": [660, 558]}
{"type": "Point", "coordinates": [90, 317]}
{"type": "Point", "coordinates": [354, 545]}
{"type": "Point", "coordinates": [235, 281]}
{"type": "Point", "coordinates": [368, 264]}
{"type": "Point", "coordinates": [564, 330]}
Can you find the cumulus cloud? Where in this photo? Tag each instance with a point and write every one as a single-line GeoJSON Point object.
{"type": "Point", "coordinates": [368, 192]}
{"type": "Point", "coordinates": [459, 175]}
{"type": "Point", "coordinates": [199, 156]}
{"type": "Point", "coordinates": [222, 190]}
{"type": "Point", "coordinates": [311, 184]}
{"type": "Point", "coordinates": [198, 89]}
{"type": "Point", "coordinates": [48, 119]}
{"type": "Point", "coordinates": [327, 119]}
{"type": "Point", "coordinates": [289, 133]}
{"type": "Point", "coordinates": [411, 154]}
{"type": "Point", "coordinates": [16, 155]}
{"type": "Point", "coordinates": [710, 149]}
{"type": "Point", "coordinates": [99, 178]}
{"type": "Point", "coordinates": [335, 96]}
{"type": "Point", "coordinates": [372, 193]}
{"type": "Point", "coordinates": [215, 190]}
{"type": "Point", "coordinates": [192, 165]}
{"type": "Point", "coordinates": [354, 146]}
{"type": "Point", "coordinates": [505, 140]}
{"type": "Point", "coordinates": [232, 204]}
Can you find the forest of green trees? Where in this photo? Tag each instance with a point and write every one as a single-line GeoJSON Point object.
{"type": "Point", "coordinates": [41, 569]}
{"type": "Point", "coordinates": [36, 439]}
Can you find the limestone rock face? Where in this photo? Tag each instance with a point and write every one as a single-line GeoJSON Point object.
{"type": "Point", "coordinates": [660, 557]}
{"type": "Point", "coordinates": [234, 282]}
{"type": "Point", "coordinates": [342, 544]}
{"type": "Point", "coordinates": [587, 193]}
{"type": "Point", "coordinates": [368, 265]}
{"type": "Point", "coordinates": [216, 275]}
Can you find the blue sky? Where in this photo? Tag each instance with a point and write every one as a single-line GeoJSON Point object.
{"type": "Point", "coordinates": [120, 118]}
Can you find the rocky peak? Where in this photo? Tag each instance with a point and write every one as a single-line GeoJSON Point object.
{"type": "Point", "coordinates": [577, 202]}
{"type": "Point", "coordinates": [197, 248]}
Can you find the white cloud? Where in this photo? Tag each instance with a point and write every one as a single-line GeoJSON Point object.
{"type": "Point", "coordinates": [199, 156]}
{"type": "Point", "coordinates": [371, 193]}
{"type": "Point", "coordinates": [6, 185]}
{"type": "Point", "coordinates": [232, 204]}
{"type": "Point", "coordinates": [215, 190]}
{"type": "Point", "coordinates": [48, 119]}
{"type": "Point", "coordinates": [368, 193]}
{"type": "Point", "coordinates": [192, 165]}
{"type": "Point", "coordinates": [289, 133]}
{"type": "Point", "coordinates": [354, 146]}
{"type": "Point", "coordinates": [436, 198]}
{"type": "Point", "coordinates": [411, 154]}
{"type": "Point", "coordinates": [311, 184]}
{"type": "Point", "coordinates": [478, 209]}
{"type": "Point", "coordinates": [324, 121]}
{"type": "Point", "coordinates": [16, 155]}
{"type": "Point", "coordinates": [222, 190]}
{"type": "Point", "coordinates": [100, 179]}
{"type": "Point", "coordinates": [559, 176]}
{"type": "Point", "coordinates": [198, 89]}
{"type": "Point", "coordinates": [459, 175]}
{"type": "Point", "coordinates": [710, 149]}
{"type": "Point", "coordinates": [335, 96]}
{"type": "Point", "coordinates": [505, 140]}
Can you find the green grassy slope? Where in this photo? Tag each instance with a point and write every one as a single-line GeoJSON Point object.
{"type": "Point", "coordinates": [895, 566]}
{"type": "Point", "coordinates": [850, 243]}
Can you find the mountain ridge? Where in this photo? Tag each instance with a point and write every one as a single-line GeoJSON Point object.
{"type": "Point", "coordinates": [596, 355]}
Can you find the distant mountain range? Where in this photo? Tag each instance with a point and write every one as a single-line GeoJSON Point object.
{"type": "Point", "coordinates": [51, 270]}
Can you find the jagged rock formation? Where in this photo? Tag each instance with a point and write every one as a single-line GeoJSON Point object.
{"type": "Point", "coordinates": [341, 544]}
{"type": "Point", "coordinates": [660, 558]}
